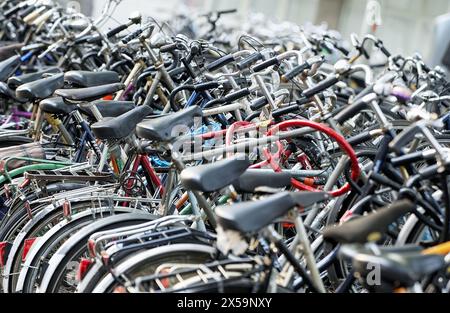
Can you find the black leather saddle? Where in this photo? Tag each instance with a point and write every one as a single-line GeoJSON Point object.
{"type": "Point", "coordinates": [8, 67]}
{"type": "Point", "coordinates": [41, 88]}
{"type": "Point", "coordinates": [108, 108]}
{"type": "Point", "coordinates": [251, 216]}
{"type": "Point", "coordinates": [160, 128]}
{"type": "Point", "coordinates": [89, 93]}
{"type": "Point", "coordinates": [121, 126]}
{"type": "Point", "coordinates": [91, 79]}
{"type": "Point", "coordinates": [399, 267]}
{"type": "Point", "coordinates": [56, 105]}
{"type": "Point", "coordinates": [16, 81]}
{"type": "Point", "coordinates": [254, 178]}
{"type": "Point", "coordinates": [369, 227]}
{"type": "Point", "coordinates": [214, 176]}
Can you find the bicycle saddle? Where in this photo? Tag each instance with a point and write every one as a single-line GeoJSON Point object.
{"type": "Point", "coordinates": [89, 93]}
{"type": "Point", "coordinates": [251, 216]}
{"type": "Point", "coordinates": [40, 89]}
{"type": "Point", "coordinates": [91, 79]}
{"type": "Point", "coordinates": [16, 81]}
{"type": "Point", "coordinates": [400, 267]}
{"type": "Point", "coordinates": [5, 91]}
{"type": "Point", "coordinates": [56, 105]}
{"type": "Point", "coordinates": [8, 67]}
{"type": "Point", "coordinates": [121, 126]}
{"type": "Point", "coordinates": [214, 176]}
{"type": "Point", "coordinates": [254, 178]}
{"type": "Point", "coordinates": [160, 128]}
{"type": "Point", "coordinates": [369, 227]}
{"type": "Point", "coordinates": [108, 108]}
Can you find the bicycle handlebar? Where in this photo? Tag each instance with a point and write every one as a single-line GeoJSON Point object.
{"type": "Point", "coordinates": [116, 30]}
{"type": "Point", "coordinates": [326, 83]}
{"type": "Point", "coordinates": [236, 95]}
{"type": "Point", "coordinates": [265, 64]}
{"type": "Point", "coordinates": [221, 62]}
{"type": "Point", "coordinates": [410, 158]}
{"type": "Point", "coordinates": [168, 48]}
{"type": "Point", "coordinates": [206, 86]}
{"type": "Point", "coordinates": [248, 61]}
{"type": "Point", "coordinates": [354, 108]}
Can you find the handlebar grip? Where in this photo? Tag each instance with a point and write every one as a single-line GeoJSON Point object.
{"type": "Point", "coordinates": [242, 82]}
{"type": "Point", "coordinates": [387, 53]}
{"type": "Point", "coordinates": [215, 65]}
{"type": "Point", "coordinates": [252, 58]}
{"type": "Point", "coordinates": [360, 138]}
{"type": "Point", "coordinates": [326, 83]}
{"type": "Point", "coordinates": [206, 86]}
{"type": "Point", "coordinates": [407, 158]}
{"type": "Point", "coordinates": [94, 39]}
{"type": "Point", "coordinates": [350, 111]}
{"type": "Point", "coordinates": [263, 65]}
{"type": "Point", "coordinates": [342, 49]}
{"type": "Point", "coordinates": [258, 103]}
{"type": "Point", "coordinates": [384, 50]}
{"type": "Point", "coordinates": [82, 39]}
{"type": "Point", "coordinates": [168, 47]}
{"type": "Point", "coordinates": [429, 171]}
{"type": "Point", "coordinates": [426, 67]}
{"type": "Point", "coordinates": [227, 11]}
{"type": "Point", "coordinates": [303, 101]}
{"type": "Point", "coordinates": [236, 95]}
{"type": "Point", "coordinates": [294, 72]}
{"type": "Point", "coordinates": [286, 110]}
{"type": "Point", "coordinates": [116, 30]}
{"type": "Point", "coordinates": [132, 36]}
{"type": "Point", "coordinates": [12, 11]}
{"type": "Point", "coordinates": [27, 11]}
{"type": "Point", "coordinates": [353, 109]}
{"type": "Point", "coordinates": [34, 15]}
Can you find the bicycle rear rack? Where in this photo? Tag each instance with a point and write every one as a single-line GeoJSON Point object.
{"type": "Point", "coordinates": [77, 175]}
{"type": "Point", "coordinates": [193, 276]}
{"type": "Point", "coordinates": [156, 238]}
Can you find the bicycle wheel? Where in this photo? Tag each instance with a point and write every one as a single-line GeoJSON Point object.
{"type": "Point", "coordinates": [42, 222]}
{"type": "Point", "coordinates": [146, 262]}
{"type": "Point", "coordinates": [75, 248]}
{"type": "Point", "coordinates": [47, 245]}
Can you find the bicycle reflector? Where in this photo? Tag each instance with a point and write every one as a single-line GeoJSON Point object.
{"type": "Point", "coordinates": [165, 281]}
{"type": "Point", "coordinates": [8, 192]}
{"type": "Point", "coordinates": [91, 247]}
{"type": "Point", "coordinates": [105, 258]}
{"type": "Point", "coordinates": [28, 208]}
{"type": "Point", "coordinates": [83, 268]}
{"type": "Point", "coordinates": [67, 209]}
{"type": "Point", "coordinates": [4, 250]}
{"type": "Point", "coordinates": [27, 246]}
